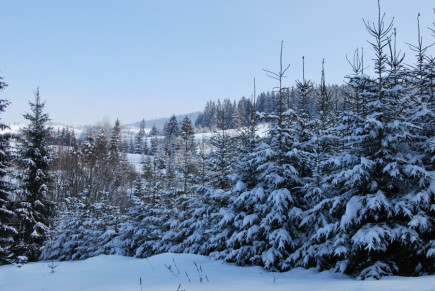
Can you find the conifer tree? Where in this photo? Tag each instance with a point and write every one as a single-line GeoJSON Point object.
{"type": "Point", "coordinates": [305, 88]}
{"type": "Point", "coordinates": [117, 161]}
{"type": "Point", "coordinates": [248, 140]}
{"type": "Point", "coordinates": [240, 220]}
{"type": "Point", "coordinates": [321, 144]}
{"type": "Point", "coordinates": [35, 157]}
{"type": "Point", "coordinates": [154, 141]}
{"type": "Point", "coordinates": [140, 138]}
{"type": "Point", "coordinates": [100, 173]}
{"type": "Point", "coordinates": [263, 218]}
{"type": "Point", "coordinates": [188, 150]}
{"type": "Point", "coordinates": [7, 230]}
{"type": "Point", "coordinates": [115, 141]}
{"type": "Point", "coordinates": [219, 162]}
{"type": "Point", "coordinates": [421, 112]}
{"type": "Point", "coordinates": [172, 131]}
{"type": "Point", "coordinates": [199, 232]}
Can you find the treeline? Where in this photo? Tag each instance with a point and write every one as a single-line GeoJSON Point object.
{"type": "Point", "coordinates": [238, 113]}
{"type": "Point", "coordinates": [342, 180]}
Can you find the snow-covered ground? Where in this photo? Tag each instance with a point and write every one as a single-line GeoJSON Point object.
{"type": "Point", "coordinates": [183, 272]}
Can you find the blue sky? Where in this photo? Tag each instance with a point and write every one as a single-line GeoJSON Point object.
{"type": "Point", "coordinates": [136, 59]}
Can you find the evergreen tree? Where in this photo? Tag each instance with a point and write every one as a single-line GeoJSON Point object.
{"type": "Point", "coordinates": [243, 113]}
{"type": "Point", "coordinates": [263, 217]}
{"type": "Point", "coordinates": [115, 141]}
{"type": "Point", "coordinates": [172, 127]}
{"type": "Point", "coordinates": [421, 112]}
{"type": "Point", "coordinates": [171, 134]}
{"type": "Point", "coordinates": [100, 173]}
{"type": "Point", "coordinates": [240, 220]}
{"type": "Point", "coordinates": [248, 140]}
{"type": "Point", "coordinates": [146, 150]}
{"type": "Point", "coordinates": [154, 141]}
{"type": "Point", "coordinates": [138, 185]}
{"type": "Point", "coordinates": [140, 138]}
{"type": "Point", "coordinates": [118, 162]}
{"type": "Point", "coordinates": [7, 230]}
{"type": "Point", "coordinates": [304, 98]}
{"type": "Point", "coordinates": [35, 157]}
{"type": "Point", "coordinates": [199, 233]}
{"type": "Point", "coordinates": [220, 159]}
{"type": "Point", "coordinates": [188, 150]}
{"type": "Point", "coordinates": [319, 142]}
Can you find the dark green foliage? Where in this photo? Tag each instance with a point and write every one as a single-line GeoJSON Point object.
{"type": "Point", "coordinates": [35, 209]}
{"type": "Point", "coordinates": [7, 215]}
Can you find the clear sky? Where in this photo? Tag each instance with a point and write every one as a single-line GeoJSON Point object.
{"type": "Point", "coordinates": [132, 59]}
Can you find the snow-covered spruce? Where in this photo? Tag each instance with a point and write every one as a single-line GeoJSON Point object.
{"type": "Point", "coordinates": [34, 208]}
{"type": "Point", "coordinates": [377, 216]}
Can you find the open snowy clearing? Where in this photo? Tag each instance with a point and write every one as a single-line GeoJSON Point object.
{"type": "Point", "coordinates": [193, 272]}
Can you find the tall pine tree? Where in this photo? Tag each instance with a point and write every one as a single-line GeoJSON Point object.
{"type": "Point", "coordinates": [7, 230]}
{"type": "Point", "coordinates": [35, 158]}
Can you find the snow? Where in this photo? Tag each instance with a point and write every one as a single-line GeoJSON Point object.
{"type": "Point", "coordinates": [352, 208]}
{"type": "Point", "coordinates": [17, 127]}
{"type": "Point", "coordinates": [432, 184]}
{"type": "Point", "coordinates": [13, 128]}
{"type": "Point", "coordinates": [193, 272]}
{"type": "Point", "coordinates": [372, 237]}
{"type": "Point", "coordinates": [135, 159]}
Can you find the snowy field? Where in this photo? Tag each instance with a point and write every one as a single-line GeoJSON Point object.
{"type": "Point", "coordinates": [183, 272]}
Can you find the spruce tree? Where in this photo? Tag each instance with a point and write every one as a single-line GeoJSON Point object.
{"type": "Point", "coordinates": [140, 146]}
{"type": "Point", "coordinates": [115, 140]}
{"type": "Point", "coordinates": [220, 159]}
{"type": "Point", "coordinates": [240, 222]}
{"type": "Point", "coordinates": [188, 150]}
{"type": "Point", "coordinates": [35, 157]}
{"type": "Point", "coordinates": [154, 141]}
{"type": "Point", "coordinates": [199, 232]}
{"type": "Point", "coordinates": [172, 131]}
{"type": "Point", "coordinates": [7, 230]}
{"type": "Point", "coordinates": [421, 110]}
{"type": "Point", "coordinates": [262, 220]}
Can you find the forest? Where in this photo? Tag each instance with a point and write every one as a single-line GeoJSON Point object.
{"type": "Point", "coordinates": [335, 177]}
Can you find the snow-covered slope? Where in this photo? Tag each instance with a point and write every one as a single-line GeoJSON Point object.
{"type": "Point", "coordinates": [16, 127]}
{"type": "Point", "coordinates": [183, 272]}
